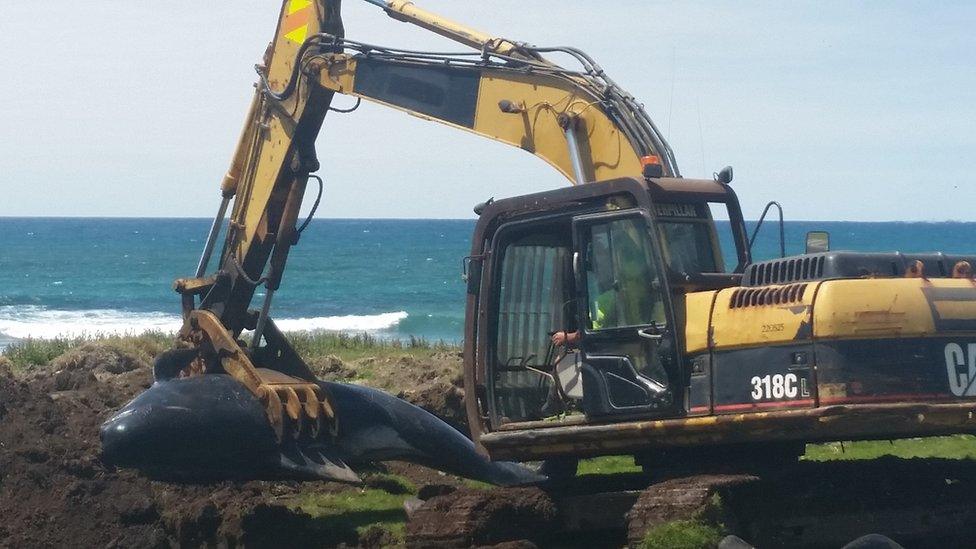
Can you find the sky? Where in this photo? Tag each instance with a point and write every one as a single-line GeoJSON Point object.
{"type": "Point", "coordinates": [861, 111]}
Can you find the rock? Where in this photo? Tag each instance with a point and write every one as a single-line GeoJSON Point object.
{"type": "Point", "coordinates": [873, 541]}
{"type": "Point", "coordinates": [734, 542]}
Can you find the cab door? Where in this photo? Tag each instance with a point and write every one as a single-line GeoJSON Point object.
{"type": "Point", "coordinates": [626, 318]}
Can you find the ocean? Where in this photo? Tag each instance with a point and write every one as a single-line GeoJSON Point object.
{"type": "Point", "coordinates": [391, 278]}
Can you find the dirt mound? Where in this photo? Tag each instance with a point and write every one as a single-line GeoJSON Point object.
{"type": "Point", "coordinates": [55, 492]}
{"type": "Point", "coordinates": [435, 382]}
{"type": "Point", "coordinates": [53, 489]}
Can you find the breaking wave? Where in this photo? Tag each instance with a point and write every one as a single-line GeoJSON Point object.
{"type": "Point", "coordinates": [20, 322]}
{"type": "Point", "coordinates": [349, 323]}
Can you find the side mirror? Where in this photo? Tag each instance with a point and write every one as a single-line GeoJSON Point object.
{"type": "Point", "coordinates": [480, 208]}
{"type": "Point", "coordinates": [818, 242]}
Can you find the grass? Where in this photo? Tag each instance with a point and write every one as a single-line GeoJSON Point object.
{"type": "Point", "coordinates": [29, 354]}
{"type": "Point", "coordinates": [949, 447]}
{"type": "Point", "coordinates": [608, 465]}
{"type": "Point", "coordinates": [704, 529]}
{"type": "Point", "coordinates": [683, 534]}
{"type": "Point", "coordinates": [350, 347]}
{"type": "Point", "coordinates": [348, 515]}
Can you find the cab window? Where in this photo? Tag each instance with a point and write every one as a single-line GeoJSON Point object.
{"type": "Point", "coordinates": [690, 247]}
{"type": "Point", "coordinates": [534, 286]}
{"type": "Point", "coordinates": [689, 240]}
{"type": "Point", "coordinates": [535, 298]}
{"type": "Point", "coordinates": [622, 283]}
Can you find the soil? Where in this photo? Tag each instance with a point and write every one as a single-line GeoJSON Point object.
{"type": "Point", "coordinates": [55, 492]}
{"type": "Point", "coordinates": [434, 383]}
{"type": "Point", "coordinates": [473, 518]}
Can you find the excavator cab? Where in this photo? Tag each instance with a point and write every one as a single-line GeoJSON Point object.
{"type": "Point", "coordinates": [608, 263]}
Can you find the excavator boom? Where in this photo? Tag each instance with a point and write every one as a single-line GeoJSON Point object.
{"type": "Point", "coordinates": [579, 121]}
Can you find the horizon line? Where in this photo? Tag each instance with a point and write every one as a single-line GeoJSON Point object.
{"type": "Point", "coordinates": [199, 218]}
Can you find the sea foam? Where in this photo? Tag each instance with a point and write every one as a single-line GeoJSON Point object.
{"type": "Point", "coordinates": [21, 322]}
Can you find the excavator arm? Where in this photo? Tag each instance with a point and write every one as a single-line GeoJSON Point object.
{"type": "Point", "coordinates": [579, 121]}
{"type": "Point", "coordinates": [222, 393]}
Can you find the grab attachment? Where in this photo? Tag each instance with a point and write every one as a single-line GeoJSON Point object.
{"type": "Point", "coordinates": [296, 406]}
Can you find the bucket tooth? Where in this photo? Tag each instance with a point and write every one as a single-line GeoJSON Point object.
{"type": "Point", "coordinates": [293, 406]}
{"type": "Point", "coordinates": [272, 406]}
{"type": "Point", "coordinates": [310, 402]}
{"type": "Point", "coordinates": [310, 406]}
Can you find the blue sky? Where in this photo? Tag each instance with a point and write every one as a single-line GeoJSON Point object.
{"type": "Point", "coordinates": [840, 110]}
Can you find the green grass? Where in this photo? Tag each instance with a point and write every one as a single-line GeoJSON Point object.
{"type": "Point", "coordinates": [683, 534]}
{"type": "Point", "coordinates": [345, 514]}
{"type": "Point", "coordinates": [350, 347]}
{"type": "Point", "coordinates": [608, 465]}
{"type": "Point", "coordinates": [30, 354]}
{"type": "Point", "coordinates": [949, 447]}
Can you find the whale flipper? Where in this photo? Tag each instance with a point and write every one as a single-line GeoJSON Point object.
{"type": "Point", "coordinates": [381, 427]}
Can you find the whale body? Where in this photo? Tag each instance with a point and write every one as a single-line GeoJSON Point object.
{"type": "Point", "coordinates": [211, 427]}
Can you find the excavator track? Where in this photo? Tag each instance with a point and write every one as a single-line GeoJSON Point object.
{"type": "Point", "coordinates": [916, 502]}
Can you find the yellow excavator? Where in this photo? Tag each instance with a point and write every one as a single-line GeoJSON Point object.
{"type": "Point", "coordinates": [601, 317]}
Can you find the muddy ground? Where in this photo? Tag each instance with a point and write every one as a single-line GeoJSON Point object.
{"type": "Point", "coordinates": [54, 491]}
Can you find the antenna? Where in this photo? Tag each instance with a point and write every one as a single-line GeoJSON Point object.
{"type": "Point", "coordinates": [674, 70]}
{"type": "Point", "coordinates": [701, 134]}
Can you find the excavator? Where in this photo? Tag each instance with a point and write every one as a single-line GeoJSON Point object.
{"type": "Point", "coordinates": [671, 347]}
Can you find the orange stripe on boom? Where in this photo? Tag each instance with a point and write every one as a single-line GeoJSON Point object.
{"type": "Point", "coordinates": [295, 26]}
